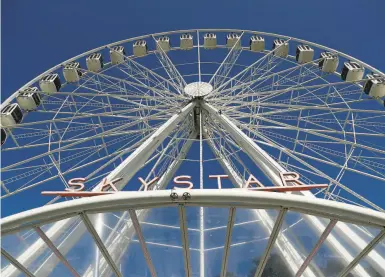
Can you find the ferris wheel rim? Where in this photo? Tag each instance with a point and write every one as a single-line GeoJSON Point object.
{"type": "Point", "coordinates": [82, 55]}
{"type": "Point", "coordinates": [271, 167]}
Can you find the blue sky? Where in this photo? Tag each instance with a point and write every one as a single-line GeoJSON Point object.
{"type": "Point", "coordinates": [37, 35]}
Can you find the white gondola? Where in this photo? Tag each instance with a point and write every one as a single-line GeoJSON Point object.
{"type": "Point", "coordinates": [28, 99]}
{"type": "Point", "coordinates": [304, 54]}
{"type": "Point", "coordinates": [11, 115]}
{"type": "Point", "coordinates": [375, 85]}
{"type": "Point", "coordinates": [257, 44]}
{"type": "Point", "coordinates": [163, 43]}
{"type": "Point", "coordinates": [71, 72]}
{"type": "Point", "coordinates": [3, 136]}
{"type": "Point", "coordinates": [281, 48]}
{"type": "Point", "coordinates": [352, 71]}
{"type": "Point", "coordinates": [233, 39]}
{"type": "Point", "coordinates": [140, 48]}
{"type": "Point", "coordinates": [186, 42]}
{"type": "Point", "coordinates": [117, 54]}
{"type": "Point", "coordinates": [50, 83]}
{"type": "Point", "coordinates": [328, 62]}
{"type": "Point", "coordinates": [95, 62]}
{"type": "Point", "coordinates": [210, 41]}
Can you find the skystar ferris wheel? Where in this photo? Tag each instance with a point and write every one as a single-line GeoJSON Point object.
{"type": "Point", "coordinates": [167, 113]}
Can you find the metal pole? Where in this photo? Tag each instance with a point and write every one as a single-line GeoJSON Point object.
{"type": "Point", "coordinates": [201, 209]}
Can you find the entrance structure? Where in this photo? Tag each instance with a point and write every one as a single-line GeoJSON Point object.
{"type": "Point", "coordinates": [260, 104]}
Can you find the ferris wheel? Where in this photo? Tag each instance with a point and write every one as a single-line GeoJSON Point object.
{"type": "Point", "coordinates": [211, 101]}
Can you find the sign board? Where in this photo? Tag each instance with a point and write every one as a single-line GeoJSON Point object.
{"type": "Point", "coordinates": [290, 182]}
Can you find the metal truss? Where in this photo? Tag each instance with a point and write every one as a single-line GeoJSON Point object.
{"type": "Point", "coordinates": [265, 111]}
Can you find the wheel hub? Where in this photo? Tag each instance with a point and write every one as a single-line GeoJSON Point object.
{"type": "Point", "coordinates": [198, 89]}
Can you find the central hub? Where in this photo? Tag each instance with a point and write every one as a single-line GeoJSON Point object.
{"type": "Point", "coordinates": [198, 89]}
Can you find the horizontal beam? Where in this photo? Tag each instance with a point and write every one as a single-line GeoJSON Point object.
{"type": "Point", "coordinates": [208, 197]}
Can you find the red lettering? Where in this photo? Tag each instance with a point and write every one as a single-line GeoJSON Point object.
{"type": "Point", "coordinates": [147, 185]}
{"type": "Point", "coordinates": [253, 181]}
{"type": "Point", "coordinates": [218, 179]}
{"type": "Point", "coordinates": [76, 184]}
{"type": "Point", "coordinates": [178, 181]}
{"type": "Point", "coordinates": [290, 177]}
{"type": "Point", "coordinates": [109, 185]}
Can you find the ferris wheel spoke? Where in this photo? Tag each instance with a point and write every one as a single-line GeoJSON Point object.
{"type": "Point", "coordinates": [228, 150]}
{"type": "Point", "coordinates": [87, 161]}
{"type": "Point", "coordinates": [169, 66]}
{"type": "Point", "coordinates": [78, 137]}
{"type": "Point", "coordinates": [220, 75]}
{"type": "Point", "coordinates": [141, 88]}
{"type": "Point", "coordinates": [248, 70]}
{"type": "Point", "coordinates": [322, 174]}
{"type": "Point", "coordinates": [116, 101]}
{"type": "Point", "coordinates": [199, 56]}
{"type": "Point", "coordinates": [279, 79]}
{"type": "Point", "coordinates": [147, 74]}
{"type": "Point", "coordinates": [325, 136]}
{"type": "Point", "coordinates": [323, 153]}
{"type": "Point", "coordinates": [90, 138]}
{"type": "Point", "coordinates": [294, 107]}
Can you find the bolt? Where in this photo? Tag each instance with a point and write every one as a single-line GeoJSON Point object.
{"type": "Point", "coordinates": [186, 196]}
{"type": "Point", "coordinates": [174, 196]}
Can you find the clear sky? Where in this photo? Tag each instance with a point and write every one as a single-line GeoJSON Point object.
{"type": "Point", "coordinates": [37, 35]}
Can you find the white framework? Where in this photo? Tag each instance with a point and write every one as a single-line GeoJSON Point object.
{"type": "Point", "coordinates": [131, 115]}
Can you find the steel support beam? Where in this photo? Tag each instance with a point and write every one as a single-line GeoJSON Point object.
{"type": "Point", "coordinates": [99, 243]}
{"type": "Point", "coordinates": [185, 240]}
{"type": "Point", "coordinates": [286, 249]}
{"type": "Point", "coordinates": [115, 247]}
{"type": "Point", "coordinates": [363, 253]}
{"type": "Point", "coordinates": [16, 263]}
{"type": "Point", "coordinates": [138, 230]}
{"type": "Point", "coordinates": [59, 255]}
{"type": "Point", "coordinates": [272, 170]}
{"type": "Point", "coordinates": [316, 247]}
{"type": "Point", "coordinates": [229, 232]}
{"type": "Point", "coordinates": [126, 170]}
{"type": "Point", "coordinates": [271, 242]}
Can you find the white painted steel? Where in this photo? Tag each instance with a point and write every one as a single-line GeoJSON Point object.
{"type": "Point", "coordinates": [271, 242]}
{"type": "Point", "coordinates": [16, 264]}
{"type": "Point", "coordinates": [56, 251]}
{"type": "Point", "coordinates": [362, 254]}
{"type": "Point", "coordinates": [125, 170]}
{"type": "Point", "coordinates": [116, 247]}
{"type": "Point", "coordinates": [208, 197]}
{"type": "Point", "coordinates": [272, 169]}
{"type": "Point", "coordinates": [102, 248]}
{"type": "Point", "coordinates": [370, 68]}
{"type": "Point", "coordinates": [185, 240]}
{"type": "Point", "coordinates": [285, 247]}
{"type": "Point", "coordinates": [316, 247]}
{"type": "Point", "coordinates": [226, 247]}
{"type": "Point", "coordinates": [139, 233]}
{"type": "Point", "coordinates": [268, 165]}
